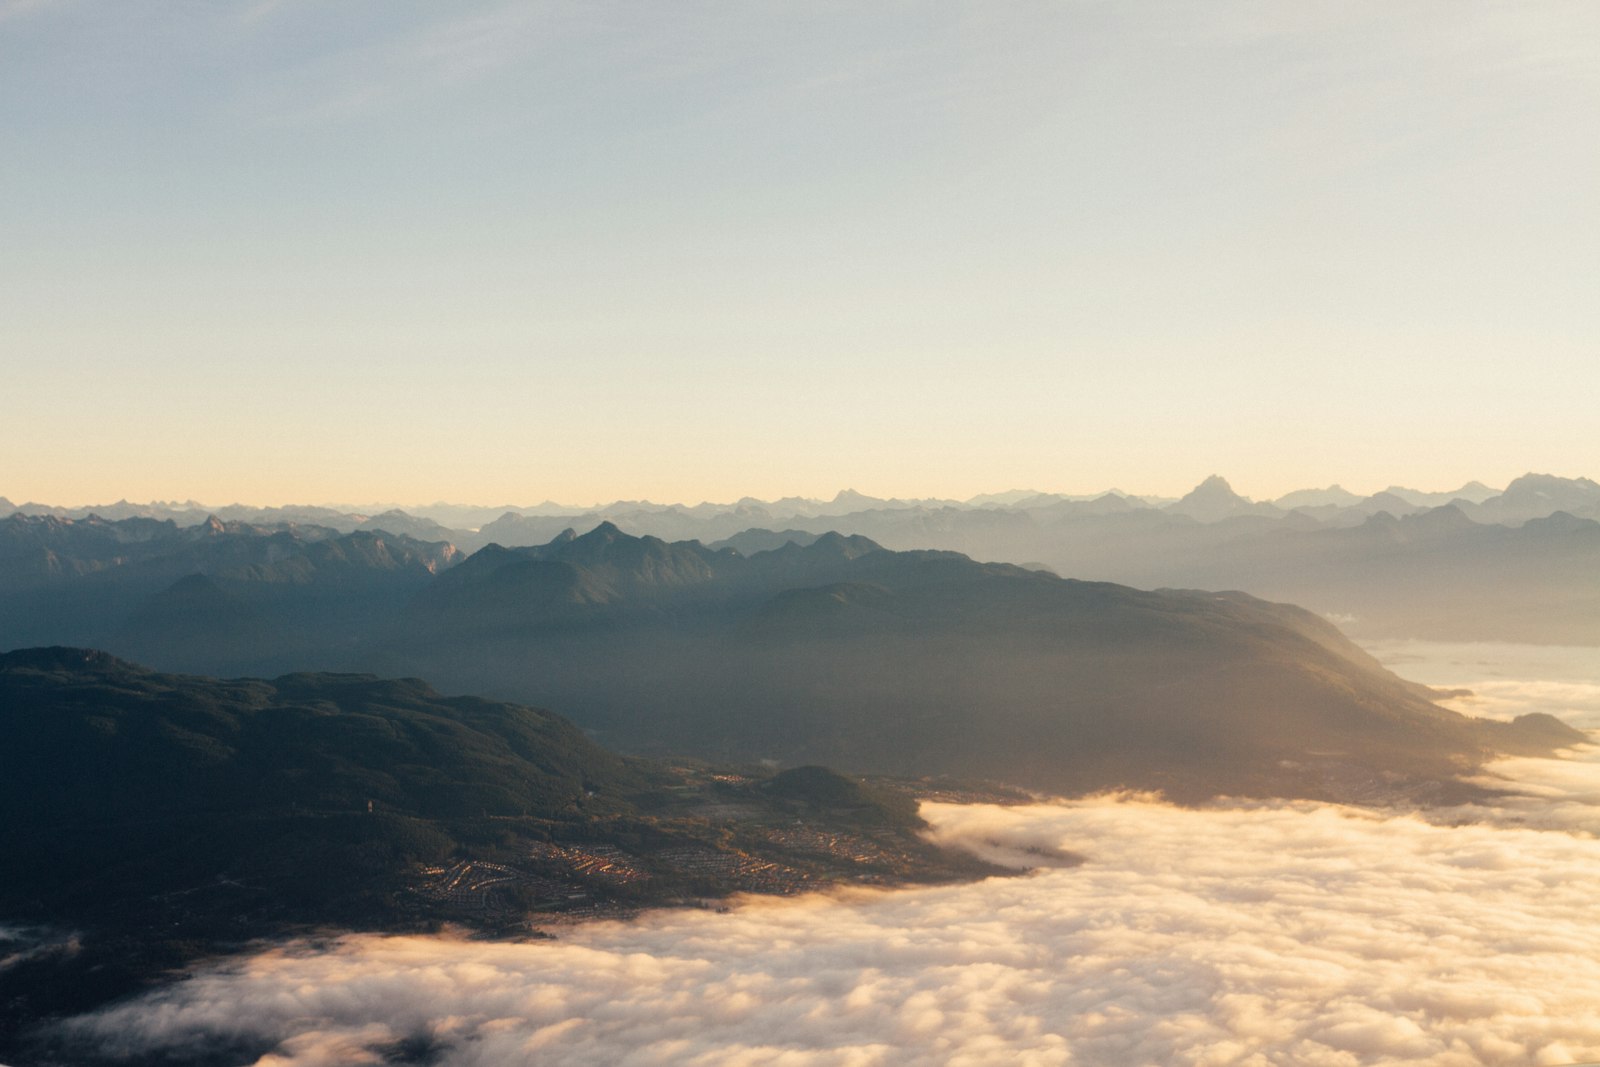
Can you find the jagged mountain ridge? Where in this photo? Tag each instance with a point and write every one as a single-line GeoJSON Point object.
{"type": "Point", "coordinates": [1481, 583]}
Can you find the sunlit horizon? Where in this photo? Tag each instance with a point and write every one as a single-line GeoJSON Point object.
{"type": "Point", "coordinates": [1170, 490]}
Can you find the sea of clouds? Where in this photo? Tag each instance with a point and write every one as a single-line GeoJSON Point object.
{"type": "Point", "coordinates": [1252, 934]}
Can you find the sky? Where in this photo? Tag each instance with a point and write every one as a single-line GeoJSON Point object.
{"type": "Point", "coordinates": [285, 251]}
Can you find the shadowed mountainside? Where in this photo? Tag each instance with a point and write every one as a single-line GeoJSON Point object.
{"type": "Point", "coordinates": [219, 597]}
{"type": "Point", "coordinates": [163, 817]}
{"type": "Point", "coordinates": [842, 653]}
{"type": "Point", "coordinates": [1524, 566]}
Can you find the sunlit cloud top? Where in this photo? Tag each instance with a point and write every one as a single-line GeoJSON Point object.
{"type": "Point", "coordinates": [1282, 934]}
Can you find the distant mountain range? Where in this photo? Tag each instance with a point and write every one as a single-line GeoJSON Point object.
{"type": "Point", "coordinates": [470, 527]}
{"type": "Point", "coordinates": [1523, 566]}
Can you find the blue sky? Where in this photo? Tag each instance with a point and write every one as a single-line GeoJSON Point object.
{"type": "Point", "coordinates": [508, 252]}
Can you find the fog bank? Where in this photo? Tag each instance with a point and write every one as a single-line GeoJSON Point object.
{"type": "Point", "coordinates": [1264, 935]}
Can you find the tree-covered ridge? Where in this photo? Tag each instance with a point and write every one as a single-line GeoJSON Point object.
{"type": "Point", "coordinates": [167, 816]}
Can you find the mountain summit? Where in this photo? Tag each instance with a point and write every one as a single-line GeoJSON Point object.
{"type": "Point", "coordinates": [1214, 500]}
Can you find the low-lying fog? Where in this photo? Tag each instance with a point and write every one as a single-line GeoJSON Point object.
{"type": "Point", "coordinates": [1283, 933]}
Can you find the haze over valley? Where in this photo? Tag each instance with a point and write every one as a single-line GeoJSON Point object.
{"type": "Point", "coordinates": [829, 535]}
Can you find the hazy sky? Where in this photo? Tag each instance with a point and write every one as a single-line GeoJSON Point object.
{"type": "Point", "coordinates": [488, 252]}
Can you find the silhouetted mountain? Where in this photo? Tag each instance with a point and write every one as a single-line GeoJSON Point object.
{"type": "Point", "coordinates": [1482, 583]}
{"type": "Point", "coordinates": [1472, 492]}
{"type": "Point", "coordinates": [604, 575]}
{"type": "Point", "coordinates": [1534, 496]}
{"type": "Point", "coordinates": [1385, 503]}
{"type": "Point", "coordinates": [516, 530]}
{"type": "Point", "coordinates": [1215, 538]}
{"type": "Point", "coordinates": [398, 522]}
{"type": "Point", "coordinates": [311, 590]}
{"type": "Point", "coordinates": [633, 565]}
{"type": "Point", "coordinates": [298, 515]}
{"type": "Point", "coordinates": [749, 542]}
{"type": "Point", "coordinates": [1214, 500]}
{"type": "Point", "coordinates": [846, 654]}
{"type": "Point", "coordinates": [850, 500]}
{"type": "Point", "coordinates": [1431, 574]}
{"type": "Point", "coordinates": [951, 529]}
{"type": "Point", "coordinates": [1333, 496]}
{"type": "Point", "coordinates": [1009, 498]}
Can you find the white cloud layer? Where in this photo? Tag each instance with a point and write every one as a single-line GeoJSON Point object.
{"type": "Point", "coordinates": [1277, 934]}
